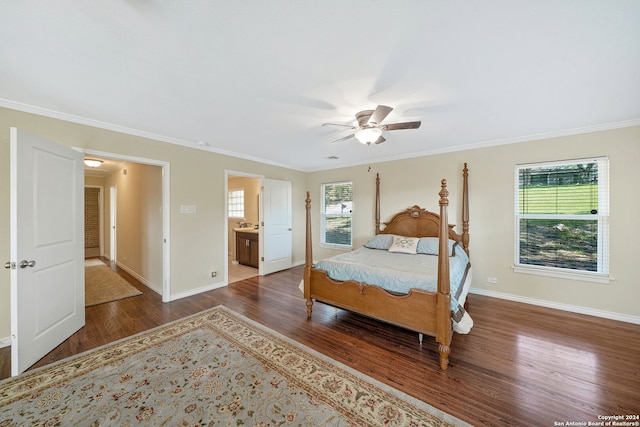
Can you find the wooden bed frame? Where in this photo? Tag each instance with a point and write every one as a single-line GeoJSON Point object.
{"type": "Point", "coordinates": [421, 311]}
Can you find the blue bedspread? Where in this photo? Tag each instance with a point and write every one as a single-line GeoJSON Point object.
{"type": "Point", "coordinates": [399, 272]}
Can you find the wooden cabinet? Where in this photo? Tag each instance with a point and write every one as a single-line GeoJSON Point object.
{"type": "Point", "coordinates": [247, 248]}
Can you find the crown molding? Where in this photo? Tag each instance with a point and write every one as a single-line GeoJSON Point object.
{"type": "Point", "coordinates": [13, 105]}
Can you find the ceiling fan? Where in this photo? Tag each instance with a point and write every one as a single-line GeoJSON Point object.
{"type": "Point", "coordinates": [369, 129]}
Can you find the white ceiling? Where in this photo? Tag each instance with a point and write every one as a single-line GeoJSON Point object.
{"type": "Point", "coordinates": [257, 78]}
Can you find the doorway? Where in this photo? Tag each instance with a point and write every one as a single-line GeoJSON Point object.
{"type": "Point", "coordinates": [243, 213]}
{"type": "Point", "coordinates": [267, 230]}
{"type": "Point", "coordinates": [140, 186]}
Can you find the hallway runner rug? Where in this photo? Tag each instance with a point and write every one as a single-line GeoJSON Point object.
{"type": "Point", "coordinates": [213, 368]}
{"type": "Point", "coordinates": [102, 284]}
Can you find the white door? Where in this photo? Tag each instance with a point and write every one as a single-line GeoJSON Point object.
{"type": "Point", "coordinates": [276, 226]}
{"type": "Point", "coordinates": [47, 247]}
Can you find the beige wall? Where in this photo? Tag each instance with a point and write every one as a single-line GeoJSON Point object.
{"type": "Point", "coordinates": [491, 181]}
{"type": "Point", "coordinates": [139, 220]}
{"type": "Point", "coordinates": [197, 178]}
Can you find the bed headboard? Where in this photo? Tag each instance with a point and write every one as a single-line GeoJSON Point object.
{"type": "Point", "coordinates": [419, 222]}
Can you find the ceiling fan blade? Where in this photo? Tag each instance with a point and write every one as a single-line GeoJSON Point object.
{"type": "Point", "coordinates": [344, 138]}
{"type": "Point", "coordinates": [398, 126]}
{"type": "Point", "coordinates": [380, 140]}
{"type": "Point", "coordinates": [339, 124]}
{"type": "Point", "coordinates": [379, 114]}
{"type": "Point", "coordinates": [363, 117]}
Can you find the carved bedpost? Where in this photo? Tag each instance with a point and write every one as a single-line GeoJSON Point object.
{"type": "Point", "coordinates": [465, 208]}
{"type": "Point", "coordinates": [443, 253]}
{"type": "Point", "coordinates": [444, 351]}
{"type": "Point", "coordinates": [308, 258]}
{"type": "Point", "coordinates": [377, 203]}
{"type": "Point", "coordinates": [443, 306]}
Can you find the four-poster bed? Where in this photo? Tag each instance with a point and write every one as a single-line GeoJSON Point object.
{"type": "Point", "coordinates": [428, 312]}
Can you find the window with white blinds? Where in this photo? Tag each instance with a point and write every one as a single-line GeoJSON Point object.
{"type": "Point", "coordinates": [336, 212]}
{"type": "Point", "coordinates": [562, 217]}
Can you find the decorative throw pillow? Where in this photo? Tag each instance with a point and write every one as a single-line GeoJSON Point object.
{"type": "Point", "coordinates": [405, 245]}
{"type": "Point", "coordinates": [430, 245]}
{"type": "Point", "coordinates": [381, 241]}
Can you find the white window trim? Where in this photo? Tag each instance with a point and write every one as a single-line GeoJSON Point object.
{"type": "Point", "coordinates": [603, 274]}
{"type": "Point", "coordinates": [559, 273]}
{"type": "Point", "coordinates": [346, 248]}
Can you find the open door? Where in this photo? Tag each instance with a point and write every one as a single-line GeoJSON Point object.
{"type": "Point", "coordinates": [276, 221]}
{"type": "Point", "coordinates": [47, 246]}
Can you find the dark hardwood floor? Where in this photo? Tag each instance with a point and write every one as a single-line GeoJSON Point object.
{"type": "Point", "coordinates": [521, 365]}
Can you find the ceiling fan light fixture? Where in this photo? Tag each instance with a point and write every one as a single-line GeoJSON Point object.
{"type": "Point", "coordinates": [368, 135]}
{"type": "Point", "coordinates": [92, 163]}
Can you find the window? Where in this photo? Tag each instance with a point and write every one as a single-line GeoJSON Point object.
{"type": "Point", "coordinates": [236, 203]}
{"type": "Point", "coordinates": [336, 210]}
{"type": "Point", "coordinates": [562, 218]}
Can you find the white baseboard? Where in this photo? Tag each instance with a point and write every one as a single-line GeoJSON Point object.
{"type": "Point", "coordinates": [213, 286]}
{"type": "Point", "coordinates": [559, 306]}
{"type": "Point", "coordinates": [141, 279]}
{"type": "Point", "coordinates": [200, 290]}
{"type": "Point", "coordinates": [5, 342]}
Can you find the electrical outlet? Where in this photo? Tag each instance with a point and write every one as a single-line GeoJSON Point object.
{"type": "Point", "coordinates": [492, 280]}
{"type": "Point", "coordinates": [214, 273]}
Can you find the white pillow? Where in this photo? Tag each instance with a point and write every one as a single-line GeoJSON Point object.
{"type": "Point", "coordinates": [405, 245]}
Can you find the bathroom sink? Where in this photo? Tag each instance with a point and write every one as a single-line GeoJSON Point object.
{"type": "Point", "coordinates": [246, 230]}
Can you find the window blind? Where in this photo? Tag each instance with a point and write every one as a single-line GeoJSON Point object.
{"type": "Point", "coordinates": [562, 213]}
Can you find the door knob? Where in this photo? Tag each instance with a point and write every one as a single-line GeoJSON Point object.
{"type": "Point", "coordinates": [24, 263]}
{"type": "Point", "coordinates": [7, 265]}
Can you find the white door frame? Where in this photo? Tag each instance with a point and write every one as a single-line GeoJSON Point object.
{"type": "Point", "coordinates": [166, 210]}
{"type": "Point", "coordinates": [228, 173]}
{"type": "Point", "coordinates": [113, 222]}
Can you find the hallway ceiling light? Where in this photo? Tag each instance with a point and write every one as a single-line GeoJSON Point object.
{"type": "Point", "coordinates": [92, 163]}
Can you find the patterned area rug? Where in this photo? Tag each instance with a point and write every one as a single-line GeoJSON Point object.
{"type": "Point", "coordinates": [102, 284]}
{"type": "Point", "coordinates": [213, 368]}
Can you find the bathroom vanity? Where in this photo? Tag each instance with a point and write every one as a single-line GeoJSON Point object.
{"type": "Point", "coordinates": [247, 252]}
